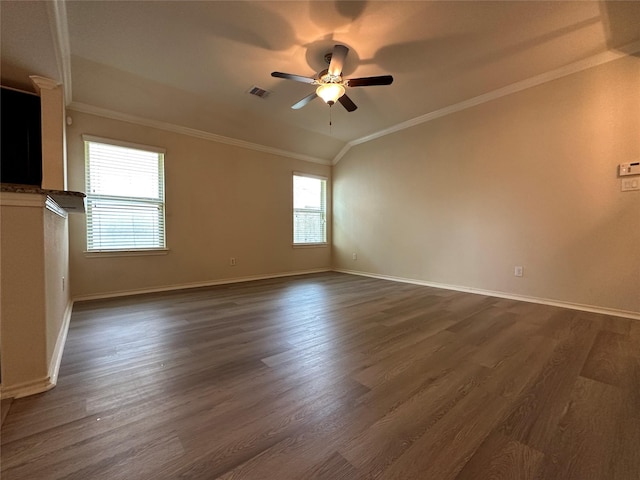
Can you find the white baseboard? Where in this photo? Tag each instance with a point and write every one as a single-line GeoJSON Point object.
{"type": "Point", "coordinates": [43, 384]}
{"type": "Point", "coordinates": [27, 388]}
{"type": "Point", "coordinates": [492, 293]}
{"type": "Point", "coordinates": [185, 286]}
{"type": "Point", "coordinates": [56, 358]}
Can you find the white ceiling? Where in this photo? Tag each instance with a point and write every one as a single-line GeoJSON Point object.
{"type": "Point", "coordinates": [190, 64]}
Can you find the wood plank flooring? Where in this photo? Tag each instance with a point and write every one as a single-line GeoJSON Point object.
{"type": "Point", "coordinates": [332, 376]}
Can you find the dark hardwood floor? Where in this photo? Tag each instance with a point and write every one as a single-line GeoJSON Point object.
{"type": "Point", "coordinates": [332, 376]}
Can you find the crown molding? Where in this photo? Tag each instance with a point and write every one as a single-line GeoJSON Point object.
{"type": "Point", "coordinates": [57, 13]}
{"type": "Point", "coordinates": [344, 151]}
{"type": "Point", "coordinates": [191, 132]}
{"type": "Point", "coordinates": [549, 76]}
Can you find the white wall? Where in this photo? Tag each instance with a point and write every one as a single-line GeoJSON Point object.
{"type": "Point", "coordinates": [222, 201]}
{"type": "Point", "coordinates": [529, 179]}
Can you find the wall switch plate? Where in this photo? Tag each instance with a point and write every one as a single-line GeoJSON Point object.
{"type": "Point", "coordinates": [632, 168]}
{"type": "Point", "coordinates": [518, 271]}
{"type": "Point", "coordinates": [354, 256]}
{"type": "Point", "coordinates": [232, 261]}
{"type": "Point", "coordinates": [630, 184]}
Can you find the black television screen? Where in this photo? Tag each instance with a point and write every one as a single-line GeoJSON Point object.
{"type": "Point", "coordinates": [20, 138]}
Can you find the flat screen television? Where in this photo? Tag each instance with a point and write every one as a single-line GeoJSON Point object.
{"type": "Point", "coordinates": [20, 138]}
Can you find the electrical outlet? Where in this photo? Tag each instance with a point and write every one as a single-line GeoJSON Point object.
{"type": "Point", "coordinates": [518, 271]}
{"type": "Point", "coordinates": [232, 261]}
{"type": "Point", "coordinates": [354, 256]}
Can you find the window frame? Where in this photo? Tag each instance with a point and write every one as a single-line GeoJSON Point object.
{"type": "Point", "coordinates": [324, 210]}
{"type": "Point", "coordinates": [159, 202]}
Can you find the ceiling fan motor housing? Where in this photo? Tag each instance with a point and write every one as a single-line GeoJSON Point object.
{"type": "Point", "coordinates": [329, 82]}
{"type": "Point", "coordinates": [325, 77]}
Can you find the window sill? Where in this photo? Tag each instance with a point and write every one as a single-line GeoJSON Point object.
{"type": "Point", "coordinates": [310, 245]}
{"type": "Point", "coordinates": [125, 253]}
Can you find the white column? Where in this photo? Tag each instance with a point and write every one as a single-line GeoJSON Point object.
{"type": "Point", "coordinates": [53, 128]}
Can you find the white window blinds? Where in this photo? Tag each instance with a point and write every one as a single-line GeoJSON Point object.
{"type": "Point", "coordinates": [309, 209]}
{"type": "Point", "coordinates": [125, 196]}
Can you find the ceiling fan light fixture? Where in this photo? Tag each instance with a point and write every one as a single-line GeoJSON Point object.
{"type": "Point", "coordinates": [330, 92]}
{"type": "Point", "coordinates": [329, 83]}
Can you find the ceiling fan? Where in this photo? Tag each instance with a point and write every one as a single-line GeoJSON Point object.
{"type": "Point", "coordinates": [331, 86]}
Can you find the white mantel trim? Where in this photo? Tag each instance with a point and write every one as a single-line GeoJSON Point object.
{"type": "Point", "coordinates": [43, 83]}
{"type": "Point", "coordinates": [51, 205]}
{"type": "Point", "coordinates": [15, 199]}
{"type": "Point", "coordinates": [192, 132]}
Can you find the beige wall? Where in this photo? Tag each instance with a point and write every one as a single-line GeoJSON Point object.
{"type": "Point", "coordinates": [529, 179]}
{"type": "Point", "coordinates": [222, 201]}
{"type": "Point", "coordinates": [56, 275]}
{"type": "Point", "coordinates": [34, 306]}
{"type": "Point", "coordinates": [23, 300]}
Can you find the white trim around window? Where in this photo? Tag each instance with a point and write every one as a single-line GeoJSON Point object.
{"type": "Point", "coordinates": [309, 210]}
{"type": "Point", "coordinates": [125, 197]}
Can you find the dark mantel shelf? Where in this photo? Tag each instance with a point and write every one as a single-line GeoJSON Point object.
{"type": "Point", "coordinates": [72, 202]}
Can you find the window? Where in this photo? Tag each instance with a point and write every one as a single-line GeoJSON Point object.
{"type": "Point", "coordinates": [309, 209]}
{"type": "Point", "coordinates": [125, 196]}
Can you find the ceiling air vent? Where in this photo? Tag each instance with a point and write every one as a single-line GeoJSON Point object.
{"type": "Point", "coordinates": [258, 92]}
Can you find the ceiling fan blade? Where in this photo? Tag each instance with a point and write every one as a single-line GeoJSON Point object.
{"type": "Point", "coordinates": [337, 60]}
{"type": "Point", "coordinates": [304, 101]}
{"type": "Point", "coordinates": [347, 103]}
{"type": "Point", "coordinates": [290, 76]}
{"type": "Point", "coordinates": [366, 81]}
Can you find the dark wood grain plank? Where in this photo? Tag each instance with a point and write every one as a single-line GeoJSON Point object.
{"type": "Point", "coordinates": [500, 458]}
{"type": "Point", "coordinates": [537, 410]}
{"type": "Point", "coordinates": [610, 359]}
{"type": "Point", "coordinates": [335, 468]}
{"type": "Point", "coordinates": [386, 440]}
{"type": "Point", "coordinates": [585, 438]}
{"type": "Point", "coordinates": [442, 451]}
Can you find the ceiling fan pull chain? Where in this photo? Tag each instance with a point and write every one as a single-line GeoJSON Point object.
{"type": "Point", "coordinates": [330, 124]}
